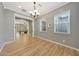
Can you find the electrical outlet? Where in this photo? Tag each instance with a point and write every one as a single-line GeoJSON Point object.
{"type": "Point", "coordinates": [63, 41]}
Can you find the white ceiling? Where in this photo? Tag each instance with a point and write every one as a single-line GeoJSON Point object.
{"type": "Point", "coordinates": [28, 6]}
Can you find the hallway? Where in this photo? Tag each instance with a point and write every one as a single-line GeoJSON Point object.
{"type": "Point", "coordinates": [32, 46]}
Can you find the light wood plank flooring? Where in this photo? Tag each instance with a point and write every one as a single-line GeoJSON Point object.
{"type": "Point", "coordinates": [31, 46]}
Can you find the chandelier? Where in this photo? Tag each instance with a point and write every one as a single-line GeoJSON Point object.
{"type": "Point", "coordinates": [34, 13]}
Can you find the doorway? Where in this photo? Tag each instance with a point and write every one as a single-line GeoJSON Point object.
{"type": "Point", "coordinates": [22, 25]}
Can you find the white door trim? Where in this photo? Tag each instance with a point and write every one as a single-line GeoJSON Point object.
{"type": "Point", "coordinates": [25, 18]}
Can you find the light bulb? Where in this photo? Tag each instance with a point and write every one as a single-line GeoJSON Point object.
{"type": "Point", "coordinates": [35, 11]}
{"type": "Point", "coordinates": [38, 13]}
{"type": "Point", "coordinates": [30, 12]}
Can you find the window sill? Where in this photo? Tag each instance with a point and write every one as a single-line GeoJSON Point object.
{"type": "Point", "coordinates": [62, 33]}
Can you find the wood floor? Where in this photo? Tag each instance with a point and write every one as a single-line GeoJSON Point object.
{"type": "Point", "coordinates": [31, 46]}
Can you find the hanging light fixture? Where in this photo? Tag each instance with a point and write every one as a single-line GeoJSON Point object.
{"type": "Point", "coordinates": [35, 12]}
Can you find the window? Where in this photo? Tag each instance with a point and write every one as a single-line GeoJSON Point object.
{"type": "Point", "coordinates": [43, 24]}
{"type": "Point", "coordinates": [62, 22]}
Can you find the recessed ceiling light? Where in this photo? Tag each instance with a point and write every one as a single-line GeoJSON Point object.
{"type": "Point", "coordinates": [19, 6]}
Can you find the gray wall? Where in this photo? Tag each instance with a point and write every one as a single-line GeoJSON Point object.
{"type": "Point", "coordinates": [30, 28]}
{"type": "Point", "coordinates": [9, 24]}
{"type": "Point", "coordinates": [69, 39]}
{"type": "Point", "coordinates": [6, 25]}
{"type": "Point", "coordinates": [1, 23]}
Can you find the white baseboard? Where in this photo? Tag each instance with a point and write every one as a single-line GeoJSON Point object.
{"type": "Point", "coordinates": [58, 43]}
{"type": "Point", "coordinates": [5, 44]}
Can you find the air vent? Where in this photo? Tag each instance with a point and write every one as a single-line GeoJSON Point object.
{"type": "Point", "coordinates": [39, 5]}
{"type": "Point", "coordinates": [23, 10]}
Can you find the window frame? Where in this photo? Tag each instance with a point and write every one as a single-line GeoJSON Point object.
{"type": "Point", "coordinates": [59, 14]}
{"type": "Point", "coordinates": [42, 25]}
